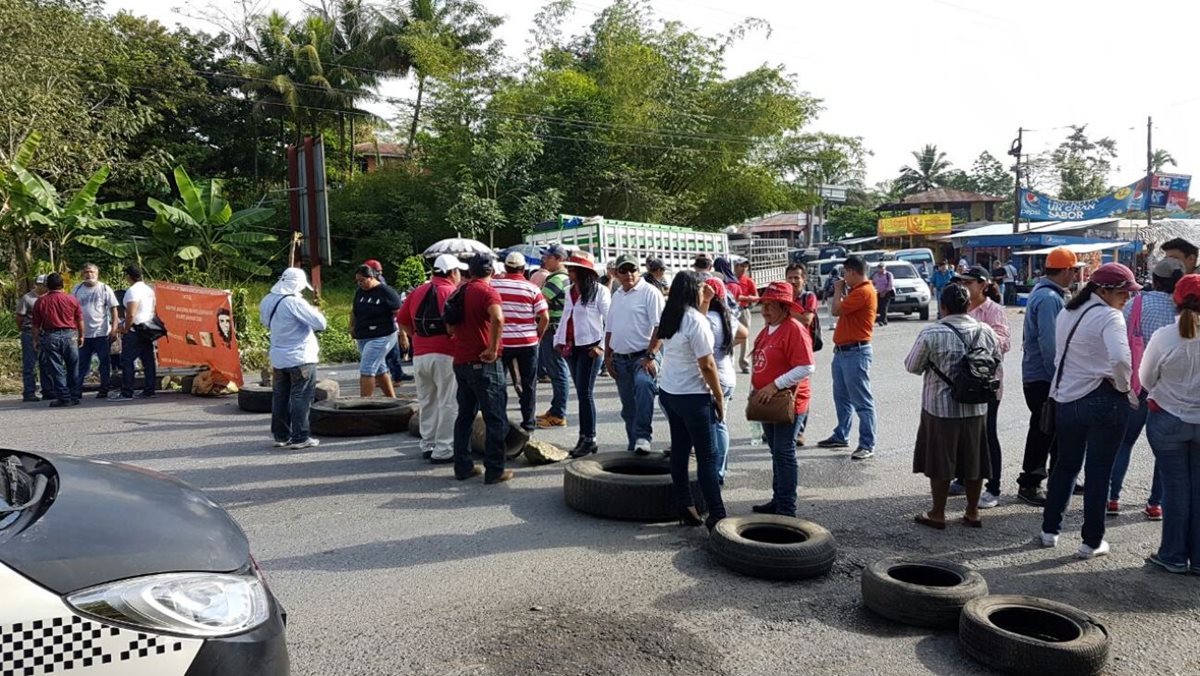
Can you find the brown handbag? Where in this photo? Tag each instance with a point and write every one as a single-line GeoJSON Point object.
{"type": "Point", "coordinates": [779, 410]}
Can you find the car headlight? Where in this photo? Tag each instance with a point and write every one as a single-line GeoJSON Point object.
{"type": "Point", "coordinates": [193, 604]}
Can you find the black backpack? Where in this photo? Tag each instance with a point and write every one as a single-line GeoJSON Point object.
{"type": "Point", "coordinates": [428, 320]}
{"type": "Point", "coordinates": [815, 328]}
{"type": "Point", "coordinates": [974, 380]}
{"type": "Point", "coordinates": [453, 311]}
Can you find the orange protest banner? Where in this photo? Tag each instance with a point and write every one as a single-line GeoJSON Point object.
{"type": "Point", "coordinates": [200, 330]}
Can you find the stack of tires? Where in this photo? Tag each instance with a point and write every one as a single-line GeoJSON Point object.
{"type": "Point", "coordinates": [1011, 634]}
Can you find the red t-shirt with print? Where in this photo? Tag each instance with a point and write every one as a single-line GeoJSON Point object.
{"type": "Point", "coordinates": [777, 353]}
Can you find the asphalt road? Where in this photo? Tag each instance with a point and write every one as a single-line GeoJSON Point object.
{"type": "Point", "coordinates": [388, 566]}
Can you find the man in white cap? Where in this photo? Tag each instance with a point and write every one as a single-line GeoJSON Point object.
{"type": "Point", "coordinates": [292, 323]}
{"type": "Point", "coordinates": [526, 316]}
{"type": "Point", "coordinates": [433, 357]}
{"type": "Point", "coordinates": [30, 367]}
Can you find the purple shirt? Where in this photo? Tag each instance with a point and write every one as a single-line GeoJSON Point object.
{"type": "Point", "coordinates": [882, 281]}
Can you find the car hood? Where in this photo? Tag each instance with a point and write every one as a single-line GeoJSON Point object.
{"type": "Point", "coordinates": [110, 521]}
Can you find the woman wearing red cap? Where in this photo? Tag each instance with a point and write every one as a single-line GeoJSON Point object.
{"type": "Point", "coordinates": [1170, 371]}
{"type": "Point", "coordinates": [783, 359]}
{"type": "Point", "coordinates": [1093, 394]}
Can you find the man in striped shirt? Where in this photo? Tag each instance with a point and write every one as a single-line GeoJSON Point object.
{"type": "Point", "coordinates": [526, 317]}
{"type": "Point", "coordinates": [553, 365]}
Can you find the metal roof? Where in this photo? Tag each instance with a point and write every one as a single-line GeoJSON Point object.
{"type": "Point", "coordinates": [1075, 248]}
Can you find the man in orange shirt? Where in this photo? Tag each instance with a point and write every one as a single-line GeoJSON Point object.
{"type": "Point", "coordinates": [854, 304]}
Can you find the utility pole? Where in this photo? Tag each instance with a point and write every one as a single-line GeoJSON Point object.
{"type": "Point", "coordinates": [1149, 172]}
{"type": "Point", "coordinates": [1015, 151]}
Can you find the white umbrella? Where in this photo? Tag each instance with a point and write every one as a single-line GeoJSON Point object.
{"type": "Point", "coordinates": [456, 246]}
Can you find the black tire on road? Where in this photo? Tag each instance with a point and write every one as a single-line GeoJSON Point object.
{"type": "Point", "coordinates": [414, 425]}
{"type": "Point", "coordinates": [924, 313]}
{"type": "Point", "coordinates": [773, 547]}
{"type": "Point", "coordinates": [360, 416]}
{"type": "Point", "coordinates": [1028, 635]}
{"type": "Point", "coordinates": [625, 486]}
{"type": "Point", "coordinates": [254, 398]}
{"type": "Point", "coordinates": [920, 592]}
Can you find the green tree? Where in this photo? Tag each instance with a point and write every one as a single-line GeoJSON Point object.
{"type": "Point", "coordinates": [1082, 165]}
{"type": "Point", "coordinates": [1160, 159]}
{"type": "Point", "coordinates": [927, 173]}
{"type": "Point", "coordinates": [846, 222]}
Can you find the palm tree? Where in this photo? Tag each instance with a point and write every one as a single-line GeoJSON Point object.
{"type": "Point", "coordinates": [1160, 159]}
{"type": "Point", "coordinates": [434, 38]}
{"type": "Point", "coordinates": [929, 172]}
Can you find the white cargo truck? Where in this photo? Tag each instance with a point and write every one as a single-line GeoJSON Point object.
{"type": "Point", "coordinates": [768, 258]}
{"type": "Point", "coordinates": [606, 239]}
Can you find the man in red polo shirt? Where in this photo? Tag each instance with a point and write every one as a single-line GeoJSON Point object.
{"type": "Point", "coordinates": [433, 358]}
{"type": "Point", "coordinates": [58, 332]}
{"type": "Point", "coordinates": [479, 373]}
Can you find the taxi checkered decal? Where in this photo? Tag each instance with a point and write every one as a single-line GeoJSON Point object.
{"type": "Point", "coordinates": [62, 644]}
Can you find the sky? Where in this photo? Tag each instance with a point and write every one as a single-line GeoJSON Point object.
{"type": "Point", "coordinates": [961, 74]}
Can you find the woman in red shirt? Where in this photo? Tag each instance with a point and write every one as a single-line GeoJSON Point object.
{"type": "Point", "coordinates": [783, 359]}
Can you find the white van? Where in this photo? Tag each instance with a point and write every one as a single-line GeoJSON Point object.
{"type": "Point", "coordinates": [917, 257]}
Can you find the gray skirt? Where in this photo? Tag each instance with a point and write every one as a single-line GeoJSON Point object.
{"type": "Point", "coordinates": [952, 448]}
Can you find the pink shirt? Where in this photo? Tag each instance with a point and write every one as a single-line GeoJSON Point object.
{"type": "Point", "coordinates": [993, 314]}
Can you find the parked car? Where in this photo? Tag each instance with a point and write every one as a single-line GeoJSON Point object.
{"type": "Point", "coordinates": [871, 256]}
{"type": "Point", "coordinates": [912, 293]}
{"type": "Point", "coordinates": [817, 273]}
{"type": "Point", "coordinates": [116, 570]}
{"type": "Point", "coordinates": [918, 257]}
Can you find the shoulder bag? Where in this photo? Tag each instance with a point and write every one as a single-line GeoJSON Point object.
{"type": "Point", "coordinates": [779, 410]}
{"type": "Point", "coordinates": [1049, 418]}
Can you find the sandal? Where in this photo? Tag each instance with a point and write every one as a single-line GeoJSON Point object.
{"type": "Point", "coordinates": [972, 523]}
{"type": "Point", "coordinates": [924, 520]}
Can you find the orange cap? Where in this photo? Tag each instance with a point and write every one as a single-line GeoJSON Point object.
{"type": "Point", "coordinates": [1061, 258]}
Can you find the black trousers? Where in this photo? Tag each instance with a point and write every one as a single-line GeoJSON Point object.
{"type": "Point", "coordinates": [1039, 447]}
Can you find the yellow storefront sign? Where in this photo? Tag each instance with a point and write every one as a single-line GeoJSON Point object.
{"type": "Point", "coordinates": [915, 224]}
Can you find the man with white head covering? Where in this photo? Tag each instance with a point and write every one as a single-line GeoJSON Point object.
{"type": "Point", "coordinates": [292, 323]}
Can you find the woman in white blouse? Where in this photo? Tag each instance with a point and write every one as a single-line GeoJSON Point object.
{"type": "Point", "coordinates": [1170, 372]}
{"type": "Point", "coordinates": [580, 338]}
{"type": "Point", "coordinates": [1093, 394]}
{"type": "Point", "coordinates": [689, 386]}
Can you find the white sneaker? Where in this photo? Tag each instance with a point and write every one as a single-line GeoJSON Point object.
{"type": "Point", "coordinates": [642, 447]}
{"type": "Point", "coordinates": [280, 444]}
{"type": "Point", "coordinates": [1049, 540]}
{"type": "Point", "coordinates": [862, 453]}
{"type": "Point", "coordinates": [307, 443]}
{"type": "Point", "coordinates": [1086, 552]}
{"type": "Point", "coordinates": [988, 501]}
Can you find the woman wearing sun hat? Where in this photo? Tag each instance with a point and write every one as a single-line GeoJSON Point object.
{"type": "Point", "coordinates": [783, 359]}
{"type": "Point", "coordinates": [580, 338]}
{"type": "Point", "coordinates": [1170, 371]}
{"type": "Point", "coordinates": [1093, 390]}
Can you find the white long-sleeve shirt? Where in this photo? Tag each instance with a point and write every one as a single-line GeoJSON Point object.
{"type": "Point", "coordinates": [293, 341]}
{"type": "Point", "coordinates": [588, 318]}
{"type": "Point", "coordinates": [1099, 351]}
{"type": "Point", "coordinates": [1170, 371]}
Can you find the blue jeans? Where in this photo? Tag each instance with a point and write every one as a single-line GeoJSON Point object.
{"type": "Point", "coordinates": [1176, 446]}
{"type": "Point", "coordinates": [721, 434]}
{"type": "Point", "coordinates": [637, 390]}
{"type": "Point", "coordinates": [1087, 429]}
{"type": "Point", "coordinates": [785, 471]}
{"type": "Point", "coordinates": [554, 366]}
{"type": "Point", "coordinates": [691, 418]}
{"type": "Point", "coordinates": [60, 360]}
{"type": "Point", "coordinates": [291, 396]}
{"type": "Point", "coordinates": [480, 388]}
{"type": "Point", "coordinates": [393, 359]}
{"type": "Point", "coordinates": [852, 392]}
{"type": "Point", "coordinates": [526, 359]}
{"type": "Point", "coordinates": [374, 352]}
{"type": "Point", "coordinates": [31, 369]}
{"type": "Point", "coordinates": [99, 346]}
{"type": "Point", "coordinates": [1133, 430]}
{"type": "Point", "coordinates": [584, 369]}
{"type": "Point", "coordinates": [136, 348]}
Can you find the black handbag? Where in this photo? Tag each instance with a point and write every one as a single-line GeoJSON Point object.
{"type": "Point", "coordinates": [1048, 421]}
{"type": "Point", "coordinates": [151, 330]}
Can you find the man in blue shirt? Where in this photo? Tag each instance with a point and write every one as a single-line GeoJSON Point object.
{"type": "Point", "coordinates": [941, 278]}
{"type": "Point", "coordinates": [1037, 370]}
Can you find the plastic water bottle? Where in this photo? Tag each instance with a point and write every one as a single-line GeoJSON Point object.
{"type": "Point", "coordinates": [756, 433]}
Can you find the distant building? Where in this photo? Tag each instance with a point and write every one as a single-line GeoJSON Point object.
{"type": "Point", "coordinates": [962, 205]}
{"type": "Point", "coordinates": [370, 155]}
{"type": "Point", "coordinates": [791, 225]}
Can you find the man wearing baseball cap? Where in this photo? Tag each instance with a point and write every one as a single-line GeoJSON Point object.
{"type": "Point", "coordinates": [526, 317]}
{"type": "Point", "coordinates": [433, 357]}
{"type": "Point", "coordinates": [630, 351]}
{"type": "Point", "coordinates": [1037, 370]}
{"type": "Point", "coordinates": [552, 364]}
{"type": "Point", "coordinates": [30, 366]}
{"type": "Point", "coordinates": [656, 274]}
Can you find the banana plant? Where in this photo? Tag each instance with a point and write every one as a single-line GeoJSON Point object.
{"type": "Point", "coordinates": [202, 230]}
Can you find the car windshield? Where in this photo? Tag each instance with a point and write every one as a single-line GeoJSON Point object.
{"type": "Point", "coordinates": [902, 271]}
